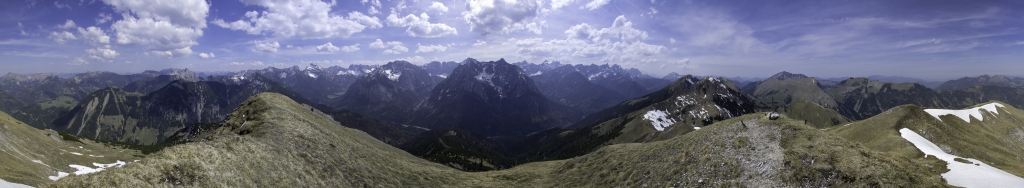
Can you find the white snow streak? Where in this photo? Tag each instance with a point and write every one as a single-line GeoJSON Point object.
{"type": "Point", "coordinates": [659, 119]}
{"type": "Point", "coordinates": [961, 174]}
{"type": "Point", "coordinates": [87, 170]}
{"type": "Point", "coordinates": [393, 75]}
{"type": "Point", "coordinates": [965, 114]}
{"type": "Point", "coordinates": [4, 183]}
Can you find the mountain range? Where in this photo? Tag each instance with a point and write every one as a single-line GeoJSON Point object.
{"type": "Point", "coordinates": [500, 124]}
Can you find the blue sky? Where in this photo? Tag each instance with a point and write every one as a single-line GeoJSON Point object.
{"type": "Point", "coordinates": [930, 39]}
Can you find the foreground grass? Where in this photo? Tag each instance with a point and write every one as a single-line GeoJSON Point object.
{"type": "Point", "coordinates": [271, 141]}
{"type": "Point", "coordinates": [997, 141]}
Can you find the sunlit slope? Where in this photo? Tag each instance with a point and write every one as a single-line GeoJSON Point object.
{"type": "Point", "coordinates": [749, 151]}
{"type": "Point", "coordinates": [30, 156]}
{"type": "Point", "coordinates": [273, 141]}
{"type": "Point", "coordinates": [814, 114]}
{"type": "Point", "coordinates": [996, 139]}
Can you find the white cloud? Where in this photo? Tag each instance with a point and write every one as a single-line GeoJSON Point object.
{"type": "Point", "coordinates": [581, 31]}
{"type": "Point", "coordinates": [619, 42]}
{"type": "Point", "coordinates": [556, 4]}
{"type": "Point", "coordinates": [104, 18]}
{"type": "Point", "coordinates": [430, 48]}
{"type": "Point", "coordinates": [184, 13]}
{"type": "Point", "coordinates": [375, 3]}
{"type": "Point", "coordinates": [101, 54]}
{"type": "Point", "coordinates": [302, 18]}
{"type": "Point", "coordinates": [672, 40]}
{"type": "Point", "coordinates": [378, 44]}
{"type": "Point", "coordinates": [438, 6]}
{"type": "Point", "coordinates": [420, 26]}
{"type": "Point", "coordinates": [167, 28]}
{"type": "Point", "coordinates": [350, 48]}
{"type": "Point", "coordinates": [479, 43]}
{"type": "Point", "coordinates": [499, 16]}
{"type": "Point", "coordinates": [254, 64]}
{"type": "Point", "coordinates": [327, 48]}
{"type": "Point", "coordinates": [395, 47]}
{"type": "Point", "coordinates": [596, 4]}
{"type": "Point", "coordinates": [94, 35]}
{"type": "Point", "coordinates": [206, 56]}
{"type": "Point", "coordinates": [265, 47]}
{"type": "Point", "coordinates": [61, 6]}
{"type": "Point", "coordinates": [684, 64]}
{"type": "Point", "coordinates": [373, 10]}
{"type": "Point", "coordinates": [62, 37]}
{"type": "Point", "coordinates": [68, 25]}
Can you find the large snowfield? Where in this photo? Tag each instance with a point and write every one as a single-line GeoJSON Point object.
{"type": "Point", "coordinates": [6, 184]}
{"type": "Point", "coordinates": [965, 114]}
{"type": "Point", "coordinates": [961, 174]}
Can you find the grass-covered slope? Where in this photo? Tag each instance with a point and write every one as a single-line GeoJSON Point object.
{"type": "Point", "coordinates": [30, 156]}
{"type": "Point", "coordinates": [271, 141]}
{"type": "Point", "coordinates": [746, 151]}
{"type": "Point", "coordinates": [815, 115]}
{"type": "Point", "coordinates": [998, 140]}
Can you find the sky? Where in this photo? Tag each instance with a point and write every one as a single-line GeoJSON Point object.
{"type": "Point", "coordinates": [929, 39]}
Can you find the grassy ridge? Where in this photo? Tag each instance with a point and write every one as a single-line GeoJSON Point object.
{"type": "Point", "coordinates": [997, 141]}
{"type": "Point", "coordinates": [29, 156]}
{"type": "Point", "coordinates": [272, 141]}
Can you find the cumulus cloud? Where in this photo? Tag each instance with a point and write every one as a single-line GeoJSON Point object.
{"type": "Point", "coordinates": [327, 48]}
{"type": "Point", "coordinates": [167, 28]}
{"type": "Point", "coordinates": [265, 47]}
{"type": "Point", "coordinates": [62, 37]}
{"type": "Point", "coordinates": [68, 25]}
{"type": "Point", "coordinates": [684, 64]}
{"type": "Point", "coordinates": [479, 43]}
{"type": "Point", "coordinates": [556, 4]}
{"type": "Point", "coordinates": [420, 26]}
{"type": "Point", "coordinates": [394, 47]}
{"type": "Point", "coordinates": [101, 54]}
{"type": "Point", "coordinates": [350, 48]}
{"type": "Point", "coordinates": [596, 4]}
{"type": "Point", "coordinates": [500, 16]}
{"type": "Point", "coordinates": [430, 48]}
{"type": "Point", "coordinates": [375, 3]}
{"type": "Point", "coordinates": [254, 64]}
{"type": "Point", "coordinates": [302, 18]}
{"type": "Point", "coordinates": [373, 10]}
{"type": "Point", "coordinates": [438, 6]}
{"type": "Point", "coordinates": [620, 42]}
{"type": "Point", "coordinates": [104, 18]}
{"type": "Point", "coordinates": [206, 55]}
{"type": "Point", "coordinates": [94, 35]}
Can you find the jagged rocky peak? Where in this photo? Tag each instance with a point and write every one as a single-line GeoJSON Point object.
{"type": "Point", "coordinates": [672, 76]}
{"type": "Point", "coordinates": [313, 67]}
{"type": "Point", "coordinates": [786, 75]}
{"type": "Point", "coordinates": [393, 70]}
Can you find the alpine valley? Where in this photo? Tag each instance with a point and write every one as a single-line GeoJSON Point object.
{"type": "Point", "coordinates": [493, 123]}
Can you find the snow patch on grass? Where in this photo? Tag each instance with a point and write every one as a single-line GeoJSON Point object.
{"type": "Point", "coordinates": [75, 153]}
{"type": "Point", "coordinates": [965, 114]}
{"type": "Point", "coordinates": [962, 174]}
{"type": "Point", "coordinates": [659, 119]}
{"type": "Point", "coordinates": [80, 170]}
{"type": "Point", "coordinates": [4, 183]}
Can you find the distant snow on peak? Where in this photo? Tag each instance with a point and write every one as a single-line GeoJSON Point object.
{"type": "Point", "coordinates": [537, 73]}
{"type": "Point", "coordinates": [484, 76]}
{"type": "Point", "coordinates": [966, 114]}
{"type": "Point", "coordinates": [659, 119]}
{"type": "Point", "coordinates": [393, 75]}
{"type": "Point", "coordinates": [311, 75]}
{"type": "Point", "coordinates": [313, 67]}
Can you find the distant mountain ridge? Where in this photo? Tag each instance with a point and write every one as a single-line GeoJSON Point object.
{"type": "Point", "coordinates": [491, 98]}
